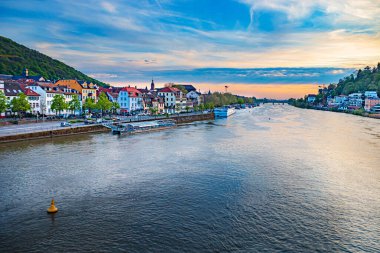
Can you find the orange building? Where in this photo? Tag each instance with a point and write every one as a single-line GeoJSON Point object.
{"type": "Point", "coordinates": [86, 89]}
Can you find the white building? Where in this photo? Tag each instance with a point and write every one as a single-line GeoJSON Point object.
{"type": "Point", "coordinates": [130, 100]}
{"type": "Point", "coordinates": [194, 96]}
{"type": "Point", "coordinates": [370, 94]}
{"type": "Point", "coordinates": [340, 99]}
{"type": "Point", "coordinates": [355, 99]}
{"type": "Point", "coordinates": [173, 99]}
{"type": "Point", "coordinates": [12, 90]}
{"type": "Point", "coordinates": [48, 91]}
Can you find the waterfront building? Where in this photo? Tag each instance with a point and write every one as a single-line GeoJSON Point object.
{"type": "Point", "coordinates": [341, 99]}
{"type": "Point", "coordinates": [86, 89]}
{"type": "Point", "coordinates": [13, 88]}
{"type": "Point", "coordinates": [355, 100]}
{"type": "Point", "coordinates": [130, 99]}
{"type": "Point", "coordinates": [173, 99]}
{"type": "Point", "coordinates": [370, 94]}
{"type": "Point", "coordinates": [376, 109]}
{"type": "Point", "coordinates": [194, 97]}
{"type": "Point", "coordinates": [370, 103]}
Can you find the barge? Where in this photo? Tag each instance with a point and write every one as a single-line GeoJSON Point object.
{"type": "Point", "coordinates": [141, 127]}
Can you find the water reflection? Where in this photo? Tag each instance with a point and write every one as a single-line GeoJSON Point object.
{"type": "Point", "coordinates": [302, 181]}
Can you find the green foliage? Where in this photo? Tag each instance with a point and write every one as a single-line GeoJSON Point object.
{"type": "Point", "coordinates": [360, 112]}
{"type": "Point", "coordinates": [89, 104]}
{"type": "Point", "coordinates": [3, 102]}
{"type": "Point", "coordinates": [15, 57]}
{"type": "Point", "coordinates": [180, 87]}
{"type": "Point", "coordinates": [74, 104]}
{"type": "Point", "coordinates": [220, 99]}
{"type": "Point", "coordinates": [58, 103]}
{"type": "Point", "coordinates": [365, 80]}
{"type": "Point", "coordinates": [153, 110]}
{"type": "Point", "coordinates": [115, 106]}
{"type": "Point", "coordinates": [240, 101]}
{"type": "Point", "coordinates": [103, 103]}
{"type": "Point", "coordinates": [20, 104]}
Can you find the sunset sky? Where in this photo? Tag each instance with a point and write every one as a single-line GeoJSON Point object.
{"type": "Point", "coordinates": [263, 48]}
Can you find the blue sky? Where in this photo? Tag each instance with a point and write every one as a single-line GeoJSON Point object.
{"type": "Point", "coordinates": [243, 43]}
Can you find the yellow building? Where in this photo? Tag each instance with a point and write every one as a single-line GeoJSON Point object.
{"type": "Point", "coordinates": [86, 89]}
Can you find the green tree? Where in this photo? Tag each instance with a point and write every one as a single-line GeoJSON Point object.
{"type": "Point", "coordinates": [240, 101]}
{"type": "Point", "coordinates": [74, 104]}
{"type": "Point", "coordinates": [115, 106]}
{"type": "Point", "coordinates": [187, 108]}
{"type": "Point", "coordinates": [20, 104]}
{"type": "Point", "coordinates": [196, 108]}
{"type": "Point", "coordinates": [153, 110]}
{"type": "Point", "coordinates": [180, 87]}
{"type": "Point", "coordinates": [3, 102]}
{"type": "Point", "coordinates": [103, 103]}
{"type": "Point", "coordinates": [58, 103]}
{"type": "Point", "coordinates": [89, 104]}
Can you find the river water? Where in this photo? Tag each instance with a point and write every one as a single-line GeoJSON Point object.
{"type": "Point", "coordinates": [270, 179]}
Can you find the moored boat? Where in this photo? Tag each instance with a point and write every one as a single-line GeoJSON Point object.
{"type": "Point", "coordinates": [223, 112]}
{"type": "Point", "coordinates": [140, 127]}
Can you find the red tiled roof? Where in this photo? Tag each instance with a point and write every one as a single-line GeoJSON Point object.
{"type": "Point", "coordinates": [133, 91]}
{"type": "Point", "coordinates": [30, 92]}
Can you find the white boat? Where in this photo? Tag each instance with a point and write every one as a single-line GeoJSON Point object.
{"type": "Point", "coordinates": [223, 112]}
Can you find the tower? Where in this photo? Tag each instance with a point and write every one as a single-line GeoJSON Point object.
{"type": "Point", "coordinates": [25, 72]}
{"type": "Point", "coordinates": [152, 85]}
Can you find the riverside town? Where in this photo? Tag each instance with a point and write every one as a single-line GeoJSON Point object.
{"type": "Point", "coordinates": [197, 126]}
{"type": "Point", "coordinates": [27, 97]}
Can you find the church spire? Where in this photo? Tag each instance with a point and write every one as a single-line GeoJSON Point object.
{"type": "Point", "coordinates": [152, 85]}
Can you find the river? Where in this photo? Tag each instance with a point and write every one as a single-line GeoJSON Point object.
{"type": "Point", "coordinates": [269, 179]}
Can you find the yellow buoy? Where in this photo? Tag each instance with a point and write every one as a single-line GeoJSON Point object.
{"type": "Point", "coordinates": [52, 208]}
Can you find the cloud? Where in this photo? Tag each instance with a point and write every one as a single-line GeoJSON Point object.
{"type": "Point", "coordinates": [336, 72]}
{"type": "Point", "coordinates": [340, 9]}
{"type": "Point", "coordinates": [103, 76]}
{"type": "Point", "coordinates": [108, 7]}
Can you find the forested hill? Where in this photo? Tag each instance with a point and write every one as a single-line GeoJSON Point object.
{"type": "Point", "coordinates": [367, 79]}
{"type": "Point", "coordinates": [15, 57]}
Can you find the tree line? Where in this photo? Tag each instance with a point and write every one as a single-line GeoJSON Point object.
{"type": "Point", "coordinates": [20, 104]}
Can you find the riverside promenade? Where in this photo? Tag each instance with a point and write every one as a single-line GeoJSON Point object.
{"type": "Point", "coordinates": [11, 133]}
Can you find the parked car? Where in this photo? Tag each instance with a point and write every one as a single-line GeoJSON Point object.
{"type": "Point", "coordinates": [87, 122]}
{"type": "Point", "coordinates": [65, 124]}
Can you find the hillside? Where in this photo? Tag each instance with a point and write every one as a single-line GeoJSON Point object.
{"type": "Point", "coordinates": [367, 79]}
{"type": "Point", "coordinates": [15, 57]}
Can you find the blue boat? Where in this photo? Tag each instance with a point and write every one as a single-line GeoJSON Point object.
{"type": "Point", "coordinates": [223, 112]}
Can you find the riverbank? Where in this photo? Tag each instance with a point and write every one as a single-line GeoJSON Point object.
{"type": "Point", "coordinates": [98, 128]}
{"type": "Point", "coordinates": [356, 113]}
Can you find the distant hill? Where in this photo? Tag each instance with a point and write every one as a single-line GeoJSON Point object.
{"type": "Point", "coordinates": [15, 57]}
{"type": "Point", "coordinates": [367, 79]}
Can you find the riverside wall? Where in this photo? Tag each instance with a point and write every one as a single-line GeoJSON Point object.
{"type": "Point", "coordinates": [180, 119]}
{"type": "Point", "coordinates": [54, 133]}
{"type": "Point", "coordinates": [191, 118]}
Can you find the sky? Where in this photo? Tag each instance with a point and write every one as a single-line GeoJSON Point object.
{"type": "Point", "coordinates": [266, 48]}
